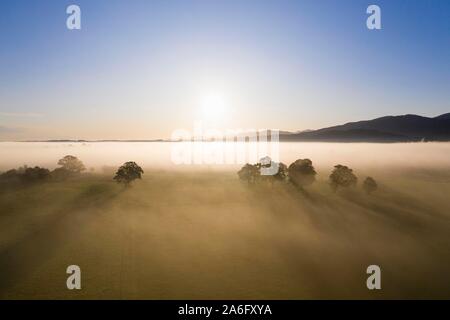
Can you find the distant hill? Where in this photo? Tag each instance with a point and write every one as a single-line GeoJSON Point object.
{"type": "Point", "coordinates": [443, 116]}
{"type": "Point", "coordinates": [385, 129]}
{"type": "Point", "coordinates": [405, 128]}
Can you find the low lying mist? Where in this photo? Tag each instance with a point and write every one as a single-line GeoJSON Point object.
{"type": "Point", "coordinates": [103, 155]}
{"type": "Point", "coordinates": [197, 233]}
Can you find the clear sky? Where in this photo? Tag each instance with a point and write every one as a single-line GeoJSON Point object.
{"type": "Point", "coordinates": [142, 69]}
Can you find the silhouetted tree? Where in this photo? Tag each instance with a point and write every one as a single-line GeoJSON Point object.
{"type": "Point", "coordinates": [342, 176]}
{"type": "Point", "coordinates": [249, 173]}
{"type": "Point", "coordinates": [10, 174]}
{"type": "Point", "coordinates": [35, 174]}
{"type": "Point", "coordinates": [128, 172]}
{"type": "Point", "coordinates": [270, 170]}
{"type": "Point", "coordinates": [71, 164]}
{"type": "Point", "coordinates": [302, 173]}
{"type": "Point", "coordinates": [262, 171]}
{"type": "Point", "coordinates": [10, 177]}
{"type": "Point", "coordinates": [61, 173]}
{"type": "Point", "coordinates": [370, 185]}
{"type": "Point", "coordinates": [282, 173]}
{"type": "Point", "coordinates": [26, 175]}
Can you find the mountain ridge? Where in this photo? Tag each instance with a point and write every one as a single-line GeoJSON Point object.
{"type": "Point", "coordinates": [402, 128]}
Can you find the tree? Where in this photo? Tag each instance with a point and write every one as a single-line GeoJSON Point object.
{"type": "Point", "coordinates": [370, 185]}
{"type": "Point", "coordinates": [282, 173]}
{"type": "Point", "coordinates": [267, 173]}
{"type": "Point", "coordinates": [302, 173]}
{"type": "Point", "coordinates": [250, 173]}
{"type": "Point", "coordinates": [26, 175]}
{"type": "Point", "coordinates": [128, 172]}
{"type": "Point", "coordinates": [10, 174]}
{"type": "Point", "coordinates": [253, 173]}
{"type": "Point", "coordinates": [61, 173]}
{"type": "Point", "coordinates": [342, 176]}
{"type": "Point", "coordinates": [35, 174]}
{"type": "Point", "coordinates": [71, 164]}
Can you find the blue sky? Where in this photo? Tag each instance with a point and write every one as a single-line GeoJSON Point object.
{"type": "Point", "coordinates": [140, 69]}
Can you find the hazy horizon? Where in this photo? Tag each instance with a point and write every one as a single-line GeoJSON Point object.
{"type": "Point", "coordinates": [169, 139]}
{"type": "Point", "coordinates": [100, 156]}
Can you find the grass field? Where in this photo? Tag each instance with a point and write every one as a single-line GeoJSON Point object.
{"type": "Point", "coordinates": [189, 235]}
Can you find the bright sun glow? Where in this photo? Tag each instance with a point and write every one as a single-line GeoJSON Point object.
{"type": "Point", "coordinates": [213, 107]}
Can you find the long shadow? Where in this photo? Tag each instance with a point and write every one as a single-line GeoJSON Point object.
{"type": "Point", "coordinates": [322, 211]}
{"type": "Point", "coordinates": [33, 250]}
{"type": "Point", "coordinates": [406, 212]}
{"type": "Point", "coordinates": [331, 211]}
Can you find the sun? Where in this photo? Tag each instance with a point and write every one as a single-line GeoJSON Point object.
{"type": "Point", "coordinates": [213, 107]}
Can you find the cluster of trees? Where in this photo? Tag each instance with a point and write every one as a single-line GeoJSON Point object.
{"type": "Point", "coordinates": [69, 166]}
{"type": "Point", "coordinates": [252, 172]}
{"type": "Point", "coordinates": [301, 173]}
{"type": "Point", "coordinates": [343, 176]}
{"type": "Point", "coordinates": [26, 174]}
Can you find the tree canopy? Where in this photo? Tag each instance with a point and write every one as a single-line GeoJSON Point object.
{"type": "Point", "coordinates": [370, 185]}
{"type": "Point", "coordinates": [342, 176]}
{"type": "Point", "coordinates": [71, 164]}
{"type": "Point", "coordinates": [128, 172]}
{"type": "Point", "coordinates": [249, 173]}
{"type": "Point", "coordinates": [302, 173]}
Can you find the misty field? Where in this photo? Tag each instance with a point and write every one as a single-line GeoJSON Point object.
{"type": "Point", "coordinates": [204, 234]}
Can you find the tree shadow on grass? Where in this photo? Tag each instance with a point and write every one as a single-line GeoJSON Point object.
{"type": "Point", "coordinates": [404, 211]}
{"type": "Point", "coordinates": [27, 254]}
{"type": "Point", "coordinates": [291, 204]}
